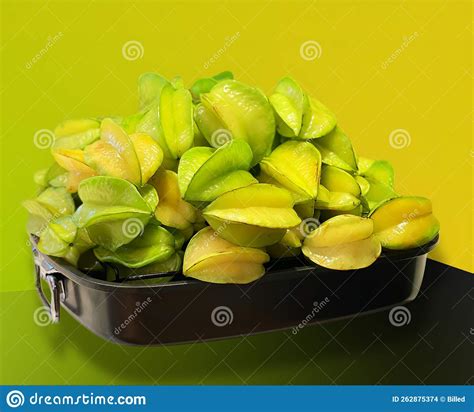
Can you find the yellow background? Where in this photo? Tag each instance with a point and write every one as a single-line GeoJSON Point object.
{"type": "Point", "coordinates": [368, 72]}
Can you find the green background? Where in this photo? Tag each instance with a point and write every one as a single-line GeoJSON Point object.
{"type": "Point", "coordinates": [382, 66]}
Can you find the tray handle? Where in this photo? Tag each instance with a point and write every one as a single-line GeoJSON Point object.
{"type": "Point", "coordinates": [56, 288]}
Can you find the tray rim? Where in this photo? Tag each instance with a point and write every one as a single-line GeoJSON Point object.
{"type": "Point", "coordinates": [81, 278]}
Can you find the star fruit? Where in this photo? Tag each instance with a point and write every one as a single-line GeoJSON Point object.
{"type": "Point", "coordinates": [255, 216]}
{"type": "Point", "coordinates": [210, 258]}
{"type": "Point", "coordinates": [237, 111]}
{"type": "Point", "coordinates": [344, 242]}
{"type": "Point", "coordinates": [405, 222]}
{"type": "Point", "coordinates": [205, 173]}
{"type": "Point", "coordinates": [295, 166]}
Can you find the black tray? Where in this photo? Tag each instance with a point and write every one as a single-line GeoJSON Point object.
{"type": "Point", "coordinates": [291, 294]}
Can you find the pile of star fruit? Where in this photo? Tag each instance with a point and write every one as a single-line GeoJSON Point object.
{"type": "Point", "coordinates": [215, 181]}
